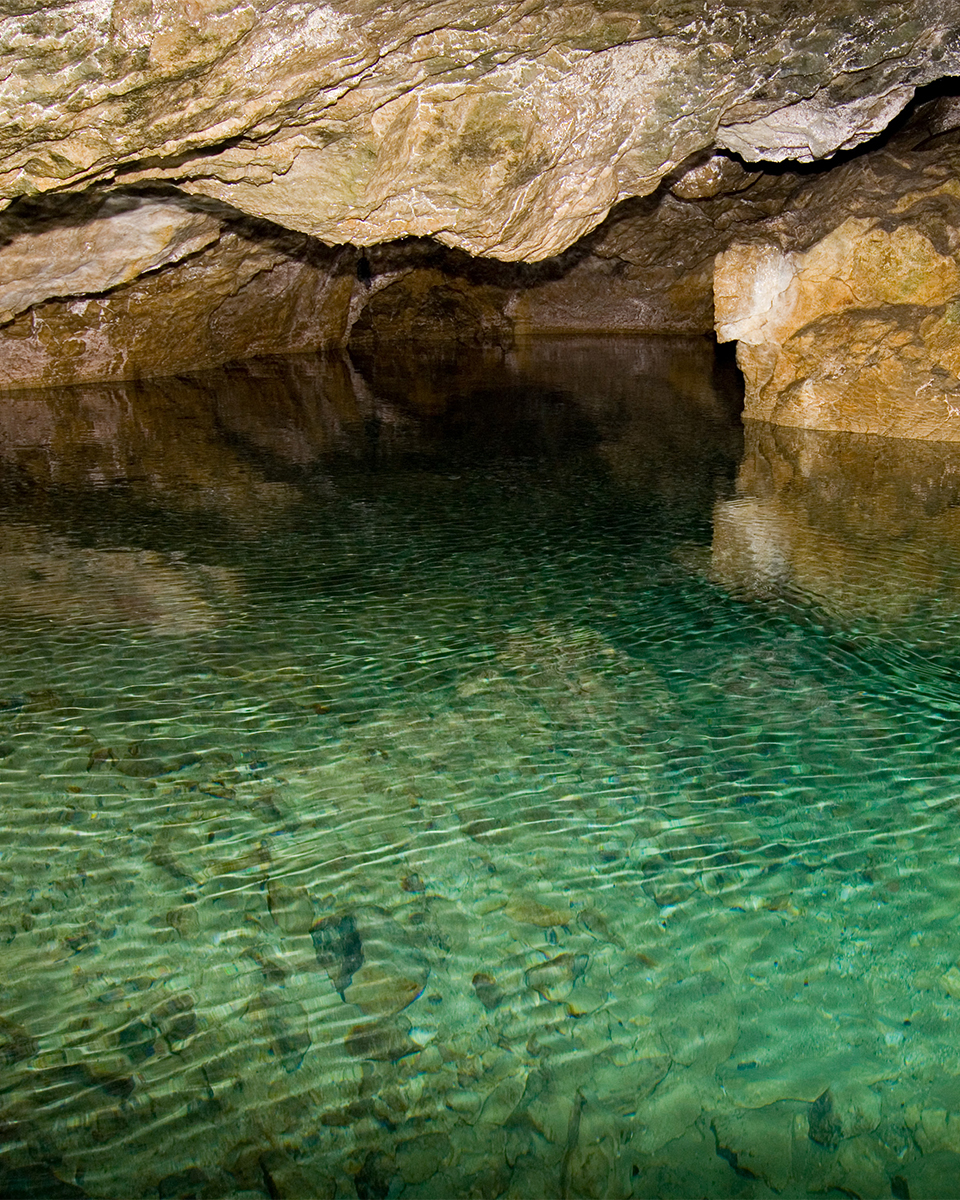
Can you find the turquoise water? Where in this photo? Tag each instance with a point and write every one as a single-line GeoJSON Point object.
{"type": "Point", "coordinates": [466, 777]}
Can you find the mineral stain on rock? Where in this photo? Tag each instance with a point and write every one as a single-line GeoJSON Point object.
{"type": "Point", "coordinates": [338, 948]}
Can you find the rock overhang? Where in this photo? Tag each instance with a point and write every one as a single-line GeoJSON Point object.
{"type": "Point", "coordinates": [190, 184]}
{"type": "Point", "coordinates": [508, 129]}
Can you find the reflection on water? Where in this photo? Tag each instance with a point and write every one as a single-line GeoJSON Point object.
{"type": "Point", "coordinates": [868, 526]}
{"type": "Point", "coordinates": [474, 778]}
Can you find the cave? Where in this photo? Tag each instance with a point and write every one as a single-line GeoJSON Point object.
{"type": "Point", "coordinates": [479, 547]}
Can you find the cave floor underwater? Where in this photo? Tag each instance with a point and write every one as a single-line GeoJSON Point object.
{"type": "Point", "coordinates": [499, 777]}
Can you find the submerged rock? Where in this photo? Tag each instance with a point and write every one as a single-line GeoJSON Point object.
{"type": "Point", "coordinates": [380, 989]}
{"type": "Point", "coordinates": [487, 990]}
{"type": "Point", "coordinates": [291, 908]}
{"type": "Point", "coordinates": [824, 1123]}
{"type": "Point", "coordinates": [16, 1043]}
{"type": "Point", "coordinates": [37, 1179]}
{"type": "Point", "coordinates": [381, 1042]}
{"type": "Point", "coordinates": [371, 960]}
{"type": "Point", "coordinates": [285, 1020]}
{"type": "Point", "coordinates": [338, 948]}
{"type": "Point", "coordinates": [554, 979]}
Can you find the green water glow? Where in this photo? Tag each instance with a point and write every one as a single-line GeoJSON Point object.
{"type": "Point", "coordinates": [469, 778]}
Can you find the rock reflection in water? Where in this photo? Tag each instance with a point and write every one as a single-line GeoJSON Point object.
{"type": "Point", "coordinates": [181, 443]}
{"type": "Point", "coordinates": [866, 527]}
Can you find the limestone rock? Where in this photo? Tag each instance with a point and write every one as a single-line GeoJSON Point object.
{"type": "Point", "coordinates": [243, 294]}
{"type": "Point", "coordinates": [507, 130]}
{"type": "Point", "coordinates": [649, 266]}
{"type": "Point", "coordinates": [711, 175]}
{"type": "Point", "coordinates": [93, 246]}
{"type": "Point", "coordinates": [510, 132]}
{"type": "Point", "coordinates": [845, 304]}
{"type": "Point", "coordinates": [425, 304]}
{"type": "Point", "coordinates": [815, 127]}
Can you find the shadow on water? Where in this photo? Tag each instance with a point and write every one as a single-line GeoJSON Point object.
{"type": "Point", "coordinates": [474, 774]}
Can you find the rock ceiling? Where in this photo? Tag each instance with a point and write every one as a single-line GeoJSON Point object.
{"type": "Point", "coordinates": [506, 129]}
{"type": "Point", "coordinates": [184, 182]}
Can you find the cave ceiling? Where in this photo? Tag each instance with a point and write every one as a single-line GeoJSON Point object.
{"type": "Point", "coordinates": [505, 129]}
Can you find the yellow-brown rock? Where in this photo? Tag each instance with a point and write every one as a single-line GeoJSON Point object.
{"type": "Point", "coordinates": [505, 128]}
{"type": "Point", "coordinates": [239, 297]}
{"type": "Point", "coordinates": [845, 305]}
{"type": "Point", "coordinates": [94, 246]}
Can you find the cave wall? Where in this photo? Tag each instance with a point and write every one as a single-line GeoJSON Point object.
{"type": "Point", "coordinates": [187, 185]}
{"type": "Point", "coordinates": [125, 286]}
{"type": "Point", "coordinates": [845, 305]}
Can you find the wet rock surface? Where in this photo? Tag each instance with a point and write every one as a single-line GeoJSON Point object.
{"type": "Point", "coordinates": [130, 286]}
{"type": "Point", "coordinates": [510, 134]}
{"type": "Point", "coordinates": [186, 189]}
{"type": "Point", "coordinates": [843, 305]}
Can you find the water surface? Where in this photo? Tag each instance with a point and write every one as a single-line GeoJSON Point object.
{"type": "Point", "coordinates": [459, 776]}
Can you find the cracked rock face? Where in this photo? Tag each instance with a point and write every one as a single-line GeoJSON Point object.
{"type": "Point", "coordinates": [93, 247]}
{"type": "Point", "coordinates": [508, 129]}
{"type": "Point", "coordinates": [846, 306]}
{"type": "Point", "coordinates": [178, 179]}
{"type": "Point", "coordinates": [128, 287]}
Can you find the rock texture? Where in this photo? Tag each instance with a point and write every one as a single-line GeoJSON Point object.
{"type": "Point", "coordinates": [106, 241]}
{"type": "Point", "coordinates": [177, 179]}
{"type": "Point", "coordinates": [846, 305]}
{"type": "Point", "coordinates": [87, 297]}
{"type": "Point", "coordinates": [649, 266]}
{"type": "Point", "coordinates": [129, 285]}
{"type": "Point", "coordinates": [508, 129]}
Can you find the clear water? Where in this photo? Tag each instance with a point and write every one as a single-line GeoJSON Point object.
{"type": "Point", "coordinates": [483, 778]}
